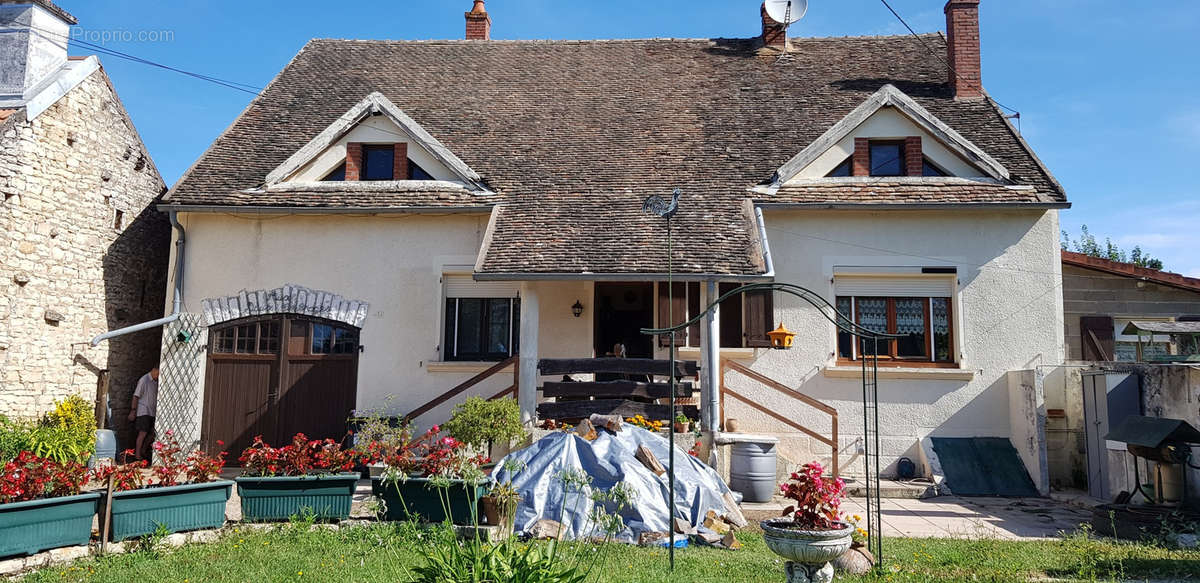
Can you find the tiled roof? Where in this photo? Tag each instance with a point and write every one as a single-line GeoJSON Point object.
{"type": "Point", "coordinates": [48, 5]}
{"type": "Point", "coordinates": [573, 135]}
{"type": "Point", "coordinates": [351, 195]}
{"type": "Point", "coordinates": [875, 191]}
{"type": "Point", "coordinates": [1131, 270]}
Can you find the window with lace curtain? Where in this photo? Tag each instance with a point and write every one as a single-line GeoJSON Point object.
{"type": "Point", "coordinates": [923, 323]}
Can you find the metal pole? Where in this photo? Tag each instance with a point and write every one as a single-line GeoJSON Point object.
{"type": "Point", "coordinates": [671, 418]}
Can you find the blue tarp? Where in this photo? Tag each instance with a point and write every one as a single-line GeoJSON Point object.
{"type": "Point", "coordinates": [609, 460]}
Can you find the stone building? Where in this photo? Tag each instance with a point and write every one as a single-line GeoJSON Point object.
{"type": "Point", "coordinates": [82, 250]}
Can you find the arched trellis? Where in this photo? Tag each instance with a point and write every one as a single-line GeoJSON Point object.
{"type": "Point", "coordinates": [869, 351]}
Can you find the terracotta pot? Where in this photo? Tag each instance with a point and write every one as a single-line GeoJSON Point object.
{"type": "Point", "coordinates": [731, 425]}
{"type": "Point", "coordinates": [808, 547]}
{"type": "Point", "coordinates": [494, 514]}
{"type": "Point", "coordinates": [683, 427]}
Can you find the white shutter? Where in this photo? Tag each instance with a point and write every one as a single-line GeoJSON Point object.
{"type": "Point", "coordinates": [462, 286]}
{"type": "Point", "coordinates": [921, 286]}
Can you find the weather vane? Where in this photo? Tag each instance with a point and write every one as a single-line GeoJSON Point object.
{"type": "Point", "coordinates": [667, 209]}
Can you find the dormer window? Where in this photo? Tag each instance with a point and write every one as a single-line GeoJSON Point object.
{"type": "Point", "coordinates": [887, 158]}
{"type": "Point", "coordinates": [416, 172]}
{"type": "Point", "coordinates": [378, 162]}
{"type": "Point", "coordinates": [338, 174]}
{"type": "Point", "coordinates": [846, 168]}
{"type": "Point", "coordinates": [928, 169]}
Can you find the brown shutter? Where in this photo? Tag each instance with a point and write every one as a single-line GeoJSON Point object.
{"type": "Point", "coordinates": [760, 316]}
{"type": "Point", "coordinates": [693, 306]}
{"type": "Point", "coordinates": [731, 318]}
{"type": "Point", "coordinates": [677, 305]}
{"type": "Point", "coordinates": [1096, 337]}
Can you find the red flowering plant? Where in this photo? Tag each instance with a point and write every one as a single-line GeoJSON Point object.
{"type": "Point", "coordinates": [171, 468]}
{"type": "Point", "coordinates": [302, 457]}
{"type": "Point", "coordinates": [428, 456]}
{"type": "Point", "coordinates": [29, 477]}
{"type": "Point", "coordinates": [817, 499]}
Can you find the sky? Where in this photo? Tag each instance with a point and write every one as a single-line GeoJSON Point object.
{"type": "Point", "coordinates": [1106, 90]}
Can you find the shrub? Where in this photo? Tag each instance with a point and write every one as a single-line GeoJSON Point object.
{"type": "Point", "coordinates": [15, 437]}
{"type": "Point", "coordinates": [301, 457]}
{"type": "Point", "coordinates": [67, 433]}
{"type": "Point", "coordinates": [478, 422]}
{"type": "Point", "coordinates": [29, 477]}
{"type": "Point", "coordinates": [817, 498]}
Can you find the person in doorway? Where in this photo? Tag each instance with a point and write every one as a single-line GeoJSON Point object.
{"type": "Point", "coordinates": [142, 411]}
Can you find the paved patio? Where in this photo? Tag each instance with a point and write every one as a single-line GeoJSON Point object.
{"type": "Point", "coordinates": [957, 517]}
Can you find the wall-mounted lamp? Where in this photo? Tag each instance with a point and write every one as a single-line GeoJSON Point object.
{"type": "Point", "coordinates": [577, 309]}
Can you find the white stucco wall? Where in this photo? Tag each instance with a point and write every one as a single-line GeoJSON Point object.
{"type": "Point", "coordinates": [1008, 310]}
{"type": "Point", "coordinates": [393, 262]}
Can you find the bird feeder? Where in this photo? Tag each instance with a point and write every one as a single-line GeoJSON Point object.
{"type": "Point", "coordinates": [781, 337]}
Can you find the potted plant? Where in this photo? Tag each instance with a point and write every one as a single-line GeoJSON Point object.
{"type": "Point", "coordinates": [682, 423]}
{"type": "Point", "coordinates": [500, 503]}
{"type": "Point", "coordinates": [433, 479]}
{"type": "Point", "coordinates": [377, 432]}
{"type": "Point", "coordinates": [278, 483]}
{"type": "Point", "coordinates": [810, 533]}
{"type": "Point", "coordinates": [41, 506]}
{"type": "Point", "coordinates": [182, 493]}
{"type": "Point", "coordinates": [479, 423]}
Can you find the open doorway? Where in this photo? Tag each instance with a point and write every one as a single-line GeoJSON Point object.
{"type": "Point", "coordinates": [622, 310]}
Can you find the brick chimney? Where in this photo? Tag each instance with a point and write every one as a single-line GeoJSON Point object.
{"type": "Point", "coordinates": [479, 25]}
{"type": "Point", "coordinates": [29, 56]}
{"type": "Point", "coordinates": [774, 34]}
{"type": "Point", "coordinates": [962, 40]}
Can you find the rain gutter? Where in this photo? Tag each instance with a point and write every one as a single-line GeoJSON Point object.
{"type": "Point", "coordinates": [177, 304]}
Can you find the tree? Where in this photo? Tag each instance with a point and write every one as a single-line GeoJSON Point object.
{"type": "Point", "coordinates": [1087, 245]}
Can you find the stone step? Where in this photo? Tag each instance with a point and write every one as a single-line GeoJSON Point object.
{"type": "Point", "coordinates": [894, 489]}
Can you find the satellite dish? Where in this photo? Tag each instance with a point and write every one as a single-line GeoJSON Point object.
{"type": "Point", "coordinates": [786, 11]}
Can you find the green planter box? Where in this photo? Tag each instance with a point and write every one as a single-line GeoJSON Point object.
{"type": "Point", "coordinates": [178, 508]}
{"type": "Point", "coordinates": [38, 525]}
{"type": "Point", "coordinates": [423, 502]}
{"type": "Point", "coordinates": [281, 497]}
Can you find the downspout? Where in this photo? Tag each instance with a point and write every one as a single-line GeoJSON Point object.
{"type": "Point", "coordinates": [178, 292]}
{"type": "Point", "coordinates": [712, 352]}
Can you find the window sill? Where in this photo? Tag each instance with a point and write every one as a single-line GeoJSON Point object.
{"type": "Point", "coordinates": [891, 372]}
{"type": "Point", "coordinates": [460, 366]}
{"type": "Point", "coordinates": [694, 353]}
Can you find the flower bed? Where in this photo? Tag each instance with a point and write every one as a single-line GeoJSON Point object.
{"type": "Point", "coordinates": [304, 476]}
{"type": "Point", "coordinates": [182, 494]}
{"type": "Point", "coordinates": [42, 506]}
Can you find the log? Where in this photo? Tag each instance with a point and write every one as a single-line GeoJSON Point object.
{"type": "Point", "coordinates": [646, 366]}
{"type": "Point", "coordinates": [643, 455]}
{"type": "Point", "coordinates": [733, 514]}
{"type": "Point", "coordinates": [612, 423]}
{"type": "Point", "coordinates": [575, 410]}
{"type": "Point", "coordinates": [586, 430]}
{"type": "Point", "coordinates": [623, 389]}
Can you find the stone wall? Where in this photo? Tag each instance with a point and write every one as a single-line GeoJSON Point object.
{"type": "Point", "coordinates": [82, 252]}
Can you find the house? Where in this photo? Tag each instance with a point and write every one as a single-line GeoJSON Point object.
{"type": "Point", "coordinates": [1117, 314]}
{"type": "Point", "coordinates": [389, 219]}
{"type": "Point", "coordinates": [84, 251]}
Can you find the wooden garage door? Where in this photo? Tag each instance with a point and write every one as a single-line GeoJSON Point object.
{"type": "Point", "coordinates": [276, 377]}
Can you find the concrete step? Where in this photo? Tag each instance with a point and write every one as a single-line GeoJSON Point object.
{"type": "Point", "coordinates": [894, 489]}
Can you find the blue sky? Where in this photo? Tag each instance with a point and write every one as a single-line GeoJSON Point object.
{"type": "Point", "coordinates": [1106, 90]}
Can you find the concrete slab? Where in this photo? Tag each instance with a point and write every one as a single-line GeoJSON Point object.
{"type": "Point", "coordinates": [957, 517]}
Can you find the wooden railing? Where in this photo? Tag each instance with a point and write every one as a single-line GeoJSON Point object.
{"type": "Point", "coordinates": [832, 440]}
{"type": "Point", "coordinates": [513, 389]}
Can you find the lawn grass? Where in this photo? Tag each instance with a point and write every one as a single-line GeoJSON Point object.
{"type": "Point", "coordinates": [385, 552]}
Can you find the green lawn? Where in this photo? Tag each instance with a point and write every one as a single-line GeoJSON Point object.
{"type": "Point", "coordinates": [388, 552]}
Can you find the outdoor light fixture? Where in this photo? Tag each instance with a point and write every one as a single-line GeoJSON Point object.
{"type": "Point", "coordinates": [577, 309]}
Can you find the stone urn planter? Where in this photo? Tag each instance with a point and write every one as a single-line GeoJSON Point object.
{"type": "Point", "coordinates": [808, 552]}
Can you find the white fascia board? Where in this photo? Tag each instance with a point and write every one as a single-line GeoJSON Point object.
{"type": "Point", "coordinates": [376, 103]}
{"type": "Point", "coordinates": [890, 96]}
